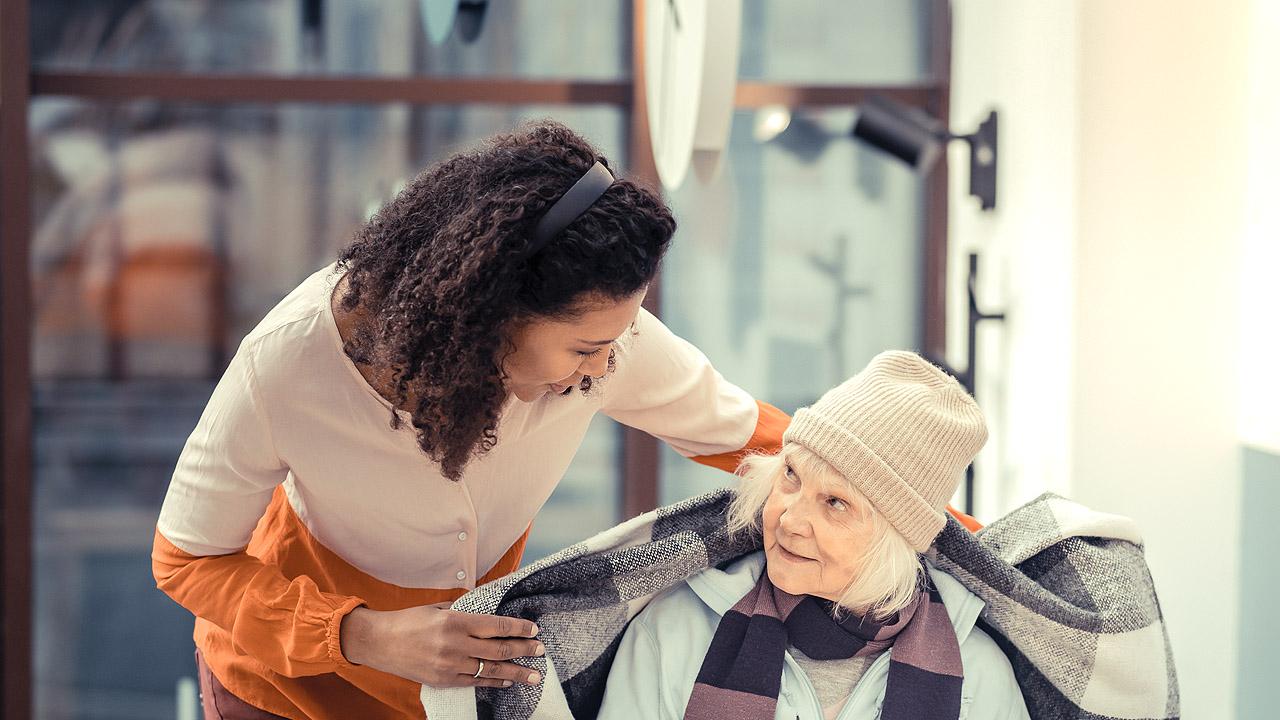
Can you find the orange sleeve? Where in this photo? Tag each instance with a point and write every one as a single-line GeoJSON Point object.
{"type": "Point", "coordinates": [767, 439]}
{"type": "Point", "coordinates": [965, 520]}
{"type": "Point", "coordinates": [290, 626]}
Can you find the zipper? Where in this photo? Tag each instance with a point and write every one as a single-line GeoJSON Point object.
{"type": "Point", "coordinates": [810, 691]}
{"type": "Point", "coordinates": [875, 667]}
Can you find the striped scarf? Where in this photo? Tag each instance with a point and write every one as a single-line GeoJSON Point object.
{"type": "Point", "coordinates": [741, 674]}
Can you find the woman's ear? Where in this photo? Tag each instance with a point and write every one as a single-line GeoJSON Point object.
{"type": "Point", "coordinates": [507, 333]}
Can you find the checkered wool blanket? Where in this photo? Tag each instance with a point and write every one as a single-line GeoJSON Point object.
{"type": "Point", "coordinates": [582, 599]}
{"type": "Point", "coordinates": [1068, 595]}
{"type": "Point", "coordinates": [1070, 600]}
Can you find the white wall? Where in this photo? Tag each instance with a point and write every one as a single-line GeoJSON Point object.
{"type": "Point", "coordinates": [1161, 180]}
{"type": "Point", "coordinates": [1117, 252]}
{"type": "Point", "coordinates": [1018, 58]}
{"type": "Point", "coordinates": [1260, 254]}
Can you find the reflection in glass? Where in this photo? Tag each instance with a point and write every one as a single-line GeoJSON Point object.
{"type": "Point", "coordinates": [548, 39]}
{"type": "Point", "coordinates": [162, 234]}
{"type": "Point", "coordinates": [803, 41]}
{"type": "Point", "coordinates": [836, 43]}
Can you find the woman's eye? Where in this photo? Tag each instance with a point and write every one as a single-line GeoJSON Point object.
{"type": "Point", "coordinates": [790, 474]}
{"type": "Point", "coordinates": [593, 353]}
{"type": "Point", "coordinates": [837, 504]}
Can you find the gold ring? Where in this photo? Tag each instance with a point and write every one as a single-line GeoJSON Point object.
{"type": "Point", "coordinates": [477, 675]}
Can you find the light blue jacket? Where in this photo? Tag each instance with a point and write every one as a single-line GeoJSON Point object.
{"type": "Point", "coordinates": [663, 648]}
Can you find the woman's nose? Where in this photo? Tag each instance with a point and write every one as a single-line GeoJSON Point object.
{"type": "Point", "coordinates": [794, 519]}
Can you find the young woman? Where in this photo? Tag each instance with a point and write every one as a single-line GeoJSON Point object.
{"type": "Point", "coordinates": [382, 440]}
{"type": "Point", "coordinates": [841, 615]}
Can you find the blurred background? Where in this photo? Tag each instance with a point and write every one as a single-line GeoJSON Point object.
{"type": "Point", "coordinates": [172, 168]}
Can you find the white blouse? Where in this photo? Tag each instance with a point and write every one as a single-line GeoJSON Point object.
{"type": "Point", "coordinates": [292, 408]}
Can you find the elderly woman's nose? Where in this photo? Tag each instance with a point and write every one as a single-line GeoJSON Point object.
{"type": "Point", "coordinates": [795, 518]}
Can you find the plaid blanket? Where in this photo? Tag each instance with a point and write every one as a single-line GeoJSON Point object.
{"type": "Point", "coordinates": [582, 599]}
{"type": "Point", "coordinates": [1069, 599]}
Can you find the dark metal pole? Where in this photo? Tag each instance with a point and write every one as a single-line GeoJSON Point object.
{"type": "Point", "coordinates": [968, 377]}
{"type": "Point", "coordinates": [933, 310]}
{"type": "Point", "coordinates": [15, 369]}
{"type": "Point", "coordinates": [971, 381]}
{"type": "Point", "coordinates": [640, 451]}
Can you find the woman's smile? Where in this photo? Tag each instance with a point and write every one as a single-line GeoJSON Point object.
{"type": "Point", "coordinates": [564, 386]}
{"type": "Point", "coordinates": [789, 556]}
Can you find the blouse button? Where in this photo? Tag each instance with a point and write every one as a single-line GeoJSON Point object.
{"type": "Point", "coordinates": [462, 536]}
{"type": "Point", "coordinates": [462, 575]}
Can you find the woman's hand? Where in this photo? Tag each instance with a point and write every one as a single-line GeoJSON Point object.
{"type": "Point", "coordinates": [436, 646]}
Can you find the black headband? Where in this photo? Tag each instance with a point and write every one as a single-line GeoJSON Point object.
{"type": "Point", "coordinates": [573, 203]}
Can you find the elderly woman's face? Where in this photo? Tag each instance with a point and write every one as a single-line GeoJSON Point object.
{"type": "Point", "coordinates": [815, 529]}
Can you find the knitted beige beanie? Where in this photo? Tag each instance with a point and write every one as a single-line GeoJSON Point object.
{"type": "Point", "coordinates": [902, 432]}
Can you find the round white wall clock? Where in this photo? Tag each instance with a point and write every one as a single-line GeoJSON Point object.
{"type": "Point", "coordinates": [691, 72]}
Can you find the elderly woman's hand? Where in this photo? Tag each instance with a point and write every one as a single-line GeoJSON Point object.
{"type": "Point", "coordinates": [436, 646]}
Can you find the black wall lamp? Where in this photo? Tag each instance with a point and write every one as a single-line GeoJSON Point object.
{"type": "Point", "coordinates": [917, 138]}
{"type": "Point", "coordinates": [908, 134]}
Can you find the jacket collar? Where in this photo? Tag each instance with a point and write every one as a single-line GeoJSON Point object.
{"type": "Point", "coordinates": [720, 589]}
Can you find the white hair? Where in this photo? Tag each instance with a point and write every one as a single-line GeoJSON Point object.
{"type": "Point", "coordinates": [890, 571]}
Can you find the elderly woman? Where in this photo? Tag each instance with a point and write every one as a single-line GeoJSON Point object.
{"type": "Point", "coordinates": [841, 615]}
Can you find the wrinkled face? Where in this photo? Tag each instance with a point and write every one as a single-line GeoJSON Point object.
{"type": "Point", "coordinates": [815, 531]}
{"type": "Point", "coordinates": [553, 356]}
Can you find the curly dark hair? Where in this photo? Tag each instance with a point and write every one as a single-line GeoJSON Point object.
{"type": "Point", "coordinates": [443, 272]}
